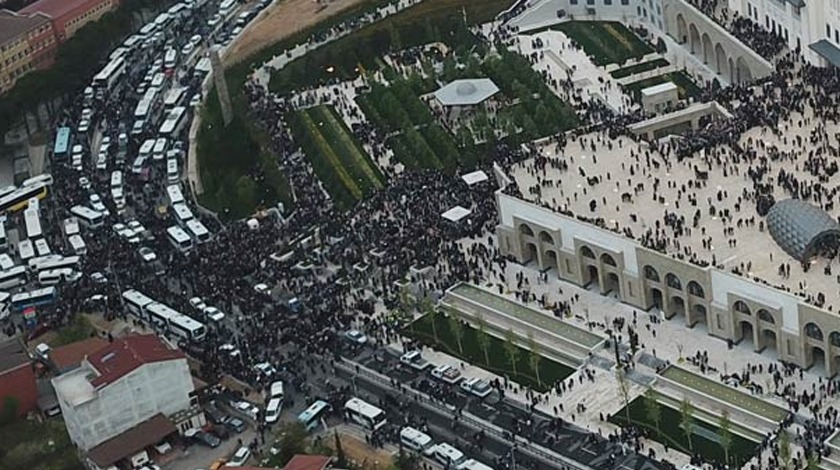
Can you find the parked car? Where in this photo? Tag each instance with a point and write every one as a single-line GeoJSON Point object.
{"type": "Point", "coordinates": [203, 438]}
{"type": "Point", "coordinates": [221, 431]}
{"type": "Point", "coordinates": [447, 373]}
{"type": "Point", "coordinates": [355, 336]}
{"type": "Point", "coordinates": [235, 424]}
{"type": "Point", "coordinates": [239, 457]}
{"type": "Point", "coordinates": [477, 387]}
{"type": "Point", "coordinates": [414, 360]}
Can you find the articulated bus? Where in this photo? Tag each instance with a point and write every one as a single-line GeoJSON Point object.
{"type": "Point", "coordinates": [62, 142]}
{"type": "Point", "coordinates": [136, 303]}
{"type": "Point", "coordinates": [19, 199]}
{"type": "Point", "coordinates": [365, 414]}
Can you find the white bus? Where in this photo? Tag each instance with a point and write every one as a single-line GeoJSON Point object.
{"type": "Point", "coordinates": [136, 303]}
{"type": "Point", "coordinates": [179, 239]}
{"type": "Point", "coordinates": [162, 21]}
{"type": "Point", "coordinates": [71, 226]}
{"type": "Point", "coordinates": [198, 231]}
{"type": "Point", "coordinates": [110, 74]}
{"type": "Point", "coordinates": [57, 276]}
{"type": "Point", "coordinates": [42, 248]}
{"type": "Point", "coordinates": [12, 277]}
{"type": "Point", "coordinates": [174, 122]}
{"type": "Point", "coordinates": [44, 178]}
{"type": "Point", "coordinates": [159, 315]}
{"type": "Point", "coordinates": [159, 150]}
{"type": "Point", "coordinates": [147, 148]}
{"type": "Point", "coordinates": [174, 97]}
{"type": "Point", "coordinates": [33, 223]}
{"type": "Point", "coordinates": [3, 239]}
{"type": "Point", "coordinates": [158, 80]}
{"type": "Point", "coordinates": [313, 416]}
{"type": "Point", "coordinates": [6, 262]}
{"type": "Point", "coordinates": [48, 262]}
{"type": "Point", "coordinates": [25, 250]}
{"type": "Point", "coordinates": [148, 29]}
{"type": "Point", "coordinates": [175, 195]}
{"type": "Point", "coordinates": [182, 214]}
{"type": "Point", "coordinates": [77, 244]}
{"type": "Point", "coordinates": [415, 440]}
{"type": "Point", "coordinates": [187, 328]}
{"type": "Point", "coordinates": [365, 414]}
{"type": "Point", "coordinates": [147, 108]}
{"type": "Point", "coordinates": [87, 216]}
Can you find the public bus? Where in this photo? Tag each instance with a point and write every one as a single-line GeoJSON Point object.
{"type": "Point", "coordinates": [136, 303]}
{"type": "Point", "coordinates": [174, 123]}
{"type": "Point", "coordinates": [159, 149]}
{"type": "Point", "coordinates": [25, 250]}
{"type": "Point", "coordinates": [19, 199]}
{"type": "Point", "coordinates": [198, 231]}
{"type": "Point", "coordinates": [110, 74]}
{"type": "Point", "coordinates": [170, 59]}
{"type": "Point", "coordinates": [187, 328]}
{"type": "Point", "coordinates": [173, 191]}
{"type": "Point", "coordinates": [147, 104]}
{"type": "Point", "coordinates": [174, 97]}
{"type": "Point", "coordinates": [6, 262]}
{"type": "Point", "coordinates": [33, 298]}
{"type": "Point", "coordinates": [42, 248]}
{"type": "Point", "coordinates": [3, 239]}
{"type": "Point", "coordinates": [62, 142]}
{"type": "Point", "coordinates": [33, 223]}
{"type": "Point", "coordinates": [179, 239]}
{"type": "Point", "coordinates": [313, 416]}
{"type": "Point", "coordinates": [43, 178]}
{"type": "Point", "coordinates": [57, 276]}
{"type": "Point", "coordinates": [77, 244]}
{"type": "Point", "coordinates": [88, 217]}
{"type": "Point", "coordinates": [12, 277]}
{"type": "Point", "coordinates": [182, 214]}
{"type": "Point", "coordinates": [365, 414]}
{"type": "Point", "coordinates": [48, 262]}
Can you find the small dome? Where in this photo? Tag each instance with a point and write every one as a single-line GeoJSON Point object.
{"type": "Point", "coordinates": [465, 89]}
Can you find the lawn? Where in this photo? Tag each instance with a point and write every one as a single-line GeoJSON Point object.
{"type": "Point", "coordinates": [705, 437]}
{"type": "Point", "coordinates": [79, 330]}
{"type": "Point", "coordinates": [37, 446]}
{"type": "Point", "coordinates": [550, 371]}
{"type": "Point", "coordinates": [607, 42]}
{"type": "Point", "coordinates": [685, 85]}
{"type": "Point", "coordinates": [342, 165]}
{"type": "Point", "coordinates": [639, 68]}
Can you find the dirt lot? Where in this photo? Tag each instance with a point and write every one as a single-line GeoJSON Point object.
{"type": "Point", "coordinates": [357, 450]}
{"type": "Point", "coordinates": [283, 19]}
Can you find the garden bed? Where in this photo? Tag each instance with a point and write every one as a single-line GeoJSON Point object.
{"type": "Point", "coordinates": [607, 42]}
{"type": "Point", "coordinates": [685, 85]}
{"type": "Point", "coordinates": [639, 68]}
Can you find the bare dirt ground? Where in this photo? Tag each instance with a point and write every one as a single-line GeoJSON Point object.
{"type": "Point", "coordinates": [284, 19]}
{"type": "Point", "coordinates": [358, 451]}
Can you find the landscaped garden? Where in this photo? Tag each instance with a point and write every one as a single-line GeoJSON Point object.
{"type": "Point", "coordinates": [607, 42]}
{"type": "Point", "coordinates": [638, 68]}
{"type": "Point", "coordinates": [33, 445]}
{"type": "Point", "coordinates": [667, 425]}
{"type": "Point", "coordinates": [487, 351]}
{"type": "Point", "coordinates": [346, 170]}
{"type": "Point", "coordinates": [685, 85]}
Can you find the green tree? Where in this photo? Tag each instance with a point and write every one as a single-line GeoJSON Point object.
{"type": "Point", "coordinates": [457, 329]}
{"type": "Point", "coordinates": [293, 441]}
{"type": "Point", "coordinates": [534, 356]}
{"type": "Point", "coordinates": [483, 338]}
{"type": "Point", "coordinates": [341, 459]}
{"type": "Point", "coordinates": [725, 434]}
{"type": "Point", "coordinates": [687, 420]}
{"type": "Point", "coordinates": [652, 409]}
{"type": "Point", "coordinates": [624, 388]}
{"type": "Point", "coordinates": [511, 349]}
{"type": "Point", "coordinates": [9, 411]}
{"type": "Point", "coordinates": [785, 453]}
{"type": "Point", "coordinates": [246, 191]}
{"type": "Point", "coordinates": [428, 308]}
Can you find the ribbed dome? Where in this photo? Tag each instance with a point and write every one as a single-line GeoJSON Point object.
{"type": "Point", "coordinates": [796, 226]}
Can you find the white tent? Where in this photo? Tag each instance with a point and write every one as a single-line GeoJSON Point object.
{"type": "Point", "coordinates": [474, 177]}
{"type": "Point", "coordinates": [456, 214]}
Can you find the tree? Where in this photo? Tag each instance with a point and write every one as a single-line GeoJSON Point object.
{"type": "Point", "coordinates": [534, 356]}
{"type": "Point", "coordinates": [654, 413]}
{"type": "Point", "coordinates": [341, 459]}
{"type": "Point", "coordinates": [482, 338]}
{"type": "Point", "coordinates": [457, 329]}
{"type": "Point", "coordinates": [511, 349]}
{"type": "Point", "coordinates": [624, 388]}
{"type": "Point", "coordinates": [725, 434]}
{"type": "Point", "coordinates": [428, 308]}
{"type": "Point", "coordinates": [9, 410]}
{"type": "Point", "coordinates": [785, 454]}
{"type": "Point", "coordinates": [293, 441]}
{"type": "Point", "coordinates": [687, 420]}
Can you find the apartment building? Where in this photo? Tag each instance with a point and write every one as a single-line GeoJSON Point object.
{"type": "Point", "coordinates": [27, 42]}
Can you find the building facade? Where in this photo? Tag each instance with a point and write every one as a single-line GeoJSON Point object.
{"type": "Point", "coordinates": [27, 43]}
{"type": "Point", "coordinates": [68, 16]}
{"type": "Point", "coordinates": [729, 306]}
{"type": "Point", "coordinates": [122, 385]}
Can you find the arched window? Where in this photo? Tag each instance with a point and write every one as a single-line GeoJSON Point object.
{"type": "Point", "coordinates": [695, 289]}
{"type": "Point", "coordinates": [834, 337]}
{"type": "Point", "coordinates": [587, 252]}
{"type": "Point", "coordinates": [673, 281]}
{"type": "Point", "coordinates": [607, 259]}
{"type": "Point", "coordinates": [813, 331]}
{"type": "Point", "coordinates": [526, 230]}
{"type": "Point", "coordinates": [651, 274]}
{"type": "Point", "coordinates": [764, 315]}
{"type": "Point", "coordinates": [546, 237]}
{"type": "Point", "coordinates": [741, 307]}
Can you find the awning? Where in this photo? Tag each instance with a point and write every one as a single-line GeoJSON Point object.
{"type": "Point", "coordinates": [474, 177]}
{"type": "Point", "coordinates": [130, 442]}
{"type": "Point", "coordinates": [456, 214]}
{"type": "Point", "coordinates": [828, 51]}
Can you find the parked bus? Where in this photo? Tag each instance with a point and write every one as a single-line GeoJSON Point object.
{"type": "Point", "coordinates": [48, 262]}
{"type": "Point", "coordinates": [87, 216]}
{"type": "Point", "coordinates": [148, 108]}
{"type": "Point", "coordinates": [182, 214]}
{"type": "Point", "coordinates": [170, 59]}
{"type": "Point", "coordinates": [226, 9]}
{"type": "Point", "coordinates": [58, 276]}
{"type": "Point", "coordinates": [110, 75]}
{"type": "Point", "coordinates": [3, 240]}
{"type": "Point", "coordinates": [179, 239]}
{"type": "Point", "coordinates": [198, 231]}
{"type": "Point", "coordinates": [34, 298]}
{"type": "Point", "coordinates": [313, 416]}
{"type": "Point", "coordinates": [62, 142]}
{"type": "Point", "coordinates": [136, 303]}
{"type": "Point", "coordinates": [32, 222]}
{"type": "Point", "coordinates": [25, 250]}
{"type": "Point", "coordinates": [77, 244]}
{"type": "Point", "coordinates": [187, 328]}
{"type": "Point", "coordinates": [43, 178]}
{"type": "Point", "coordinates": [175, 195]}
{"type": "Point", "coordinates": [364, 413]}
{"type": "Point", "coordinates": [13, 277]}
{"type": "Point", "coordinates": [472, 464]}
{"type": "Point", "coordinates": [174, 122]}
{"type": "Point", "coordinates": [42, 248]}
{"type": "Point", "coordinates": [6, 262]}
{"type": "Point", "coordinates": [159, 150]}
{"type": "Point", "coordinates": [174, 97]}
{"type": "Point", "coordinates": [20, 198]}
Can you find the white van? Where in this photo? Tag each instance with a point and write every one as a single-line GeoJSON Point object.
{"type": "Point", "coordinates": [71, 226]}
{"type": "Point", "coordinates": [272, 410]}
{"type": "Point", "coordinates": [55, 276]}
{"type": "Point", "coordinates": [6, 262]}
{"type": "Point", "coordinates": [77, 244]}
{"type": "Point", "coordinates": [416, 440]}
{"type": "Point", "coordinates": [448, 455]}
{"type": "Point", "coordinates": [276, 389]}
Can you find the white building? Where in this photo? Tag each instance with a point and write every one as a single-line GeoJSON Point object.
{"type": "Point", "coordinates": [122, 385]}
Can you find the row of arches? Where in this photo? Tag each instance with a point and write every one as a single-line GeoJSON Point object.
{"type": "Point", "coordinates": [674, 282]}
{"type": "Point", "coordinates": [736, 69]}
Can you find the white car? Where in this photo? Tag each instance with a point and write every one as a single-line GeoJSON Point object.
{"type": "Point", "coordinates": [214, 20]}
{"type": "Point", "coordinates": [232, 350]}
{"type": "Point", "coordinates": [265, 368]}
{"type": "Point", "coordinates": [102, 160]}
{"type": "Point", "coordinates": [447, 373]}
{"type": "Point", "coordinates": [136, 227]}
{"type": "Point", "coordinates": [262, 289]}
{"type": "Point", "coordinates": [147, 255]}
{"type": "Point", "coordinates": [356, 336]}
{"type": "Point", "coordinates": [195, 100]}
{"type": "Point", "coordinates": [84, 183]}
{"type": "Point", "coordinates": [239, 457]}
{"type": "Point", "coordinates": [247, 408]}
{"type": "Point", "coordinates": [414, 360]}
{"type": "Point", "coordinates": [84, 126]}
{"type": "Point", "coordinates": [477, 387]}
{"type": "Point", "coordinates": [198, 304]}
{"type": "Point", "coordinates": [97, 205]}
{"type": "Point", "coordinates": [212, 313]}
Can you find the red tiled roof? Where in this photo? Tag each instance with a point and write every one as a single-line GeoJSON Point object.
{"type": "Point", "coordinates": [308, 462]}
{"type": "Point", "coordinates": [57, 8]}
{"type": "Point", "coordinates": [70, 356]}
{"type": "Point", "coordinates": [145, 434]}
{"type": "Point", "coordinates": [126, 354]}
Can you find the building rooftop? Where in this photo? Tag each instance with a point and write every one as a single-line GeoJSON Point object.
{"type": "Point", "coordinates": [126, 354]}
{"type": "Point", "coordinates": [145, 434]}
{"type": "Point", "coordinates": [12, 355]}
{"type": "Point", "coordinates": [53, 8]}
{"type": "Point", "coordinates": [14, 25]}
{"type": "Point", "coordinates": [698, 209]}
{"type": "Point", "coordinates": [308, 462]}
{"type": "Point", "coordinates": [466, 92]}
{"type": "Point", "coordinates": [71, 355]}
{"type": "Point", "coordinates": [74, 387]}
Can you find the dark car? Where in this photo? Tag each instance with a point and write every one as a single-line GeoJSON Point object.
{"type": "Point", "coordinates": [235, 424]}
{"type": "Point", "coordinates": [221, 431]}
{"type": "Point", "coordinates": [214, 414]}
{"type": "Point", "coordinates": [205, 439]}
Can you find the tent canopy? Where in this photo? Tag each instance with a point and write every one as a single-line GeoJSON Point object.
{"type": "Point", "coordinates": [456, 214]}
{"type": "Point", "coordinates": [474, 177]}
